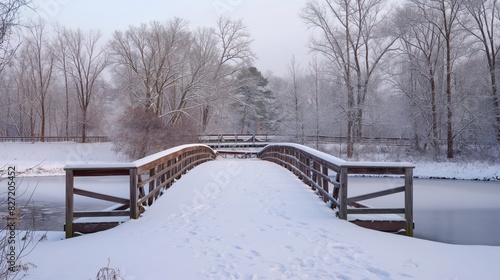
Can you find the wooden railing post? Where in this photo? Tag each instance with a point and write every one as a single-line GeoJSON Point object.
{"type": "Point", "coordinates": [134, 208]}
{"type": "Point", "coordinates": [409, 201]}
{"type": "Point", "coordinates": [343, 193]}
{"type": "Point", "coordinates": [307, 171]}
{"type": "Point", "coordinates": [325, 183]}
{"type": "Point", "coordinates": [152, 186]}
{"type": "Point", "coordinates": [69, 203]}
{"type": "Point", "coordinates": [315, 177]}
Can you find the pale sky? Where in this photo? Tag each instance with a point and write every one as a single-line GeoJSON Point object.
{"type": "Point", "coordinates": [277, 30]}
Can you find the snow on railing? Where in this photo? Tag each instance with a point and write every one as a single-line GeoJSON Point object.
{"type": "Point", "coordinates": [158, 172]}
{"type": "Point", "coordinates": [320, 171]}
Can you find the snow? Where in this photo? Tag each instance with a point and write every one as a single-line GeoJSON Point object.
{"type": "Point", "coordinates": [241, 219]}
{"type": "Point", "coordinates": [472, 170]}
{"type": "Point", "coordinates": [249, 219]}
{"type": "Point", "coordinates": [148, 159]}
{"type": "Point", "coordinates": [319, 154]}
{"type": "Point", "coordinates": [49, 159]}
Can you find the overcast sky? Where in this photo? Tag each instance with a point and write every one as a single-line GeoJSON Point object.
{"type": "Point", "coordinates": [277, 30]}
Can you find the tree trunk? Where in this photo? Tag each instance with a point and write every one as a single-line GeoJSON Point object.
{"type": "Point", "coordinates": [350, 91]}
{"type": "Point", "coordinates": [435, 140]}
{"type": "Point", "coordinates": [496, 101]}
{"type": "Point", "coordinates": [449, 153]}
{"type": "Point", "coordinates": [84, 125]}
{"type": "Point", "coordinates": [205, 117]}
{"type": "Point", "coordinates": [42, 125]}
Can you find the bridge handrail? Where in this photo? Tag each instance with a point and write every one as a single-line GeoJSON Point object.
{"type": "Point", "coordinates": [158, 172]}
{"type": "Point", "coordinates": [314, 168]}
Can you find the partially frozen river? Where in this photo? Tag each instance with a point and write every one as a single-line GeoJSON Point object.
{"type": "Point", "coordinates": [458, 212]}
{"type": "Point", "coordinates": [451, 211]}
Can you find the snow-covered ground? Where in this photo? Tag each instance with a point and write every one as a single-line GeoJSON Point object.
{"type": "Point", "coordinates": [243, 219]}
{"type": "Point", "coordinates": [49, 159]}
{"type": "Point", "coordinates": [248, 219]}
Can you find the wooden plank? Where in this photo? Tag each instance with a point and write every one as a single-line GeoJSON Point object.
{"type": "Point", "coordinates": [93, 214]}
{"type": "Point", "coordinates": [92, 227]}
{"type": "Point", "coordinates": [375, 211]}
{"type": "Point", "coordinates": [409, 201]}
{"type": "Point", "coordinates": [325, 184]}
{"type": "Point", "coordinates": [385, 226]}
{"type": "Point", "coordinates": [101, 172]}
{"type": "Point", "coordinates": [375, 194]}
{"type": "Point", "coordinates": [134, 207]}
{"type": "Point", "coordinates": [376, 170]}
{"type": "Point", "coordinates": [152, 184]}
{"type": "Point", "coordinates": [69, 203]}
{"type": "Point", "coordinates": [101, 196]}
{"type": "Point", "coordinates": [343, 194]}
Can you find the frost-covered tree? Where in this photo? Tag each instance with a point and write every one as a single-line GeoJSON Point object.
{"type": "Point", "coordinates": [253, 103]}
{"type": "Point", "coordinates": [421, 46]}
{"type": "Point", "coordinates": [87, 60]}
{"type": "Point", "coordinates": [39, 59]}
{"type": "Point", "coordinates": [232, 49]}
{"type": "Point", "coordinates": [349, 34]}
{"type": "Point", "coordinates": [9, 19]}
{"type": "Point", "coordinates": [482, 21]}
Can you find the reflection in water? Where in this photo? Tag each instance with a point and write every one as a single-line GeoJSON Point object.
{"type": "Point", "coordinates": [450, 211]}
{"type": "Point", "coordinates": [45, 216]}
{"type": "Point", "coordinates": [41, 200]}
{"type": "Point", "coordinates": [42, 216]}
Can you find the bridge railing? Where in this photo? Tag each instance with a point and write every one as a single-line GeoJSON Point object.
{"type": "Point", "coordinates": [320, 171]}
{"type": "Point", "coordinates": [148, 178]}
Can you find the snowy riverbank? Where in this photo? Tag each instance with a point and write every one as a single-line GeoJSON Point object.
{"type": "Point", "coordinates": [49, 159]}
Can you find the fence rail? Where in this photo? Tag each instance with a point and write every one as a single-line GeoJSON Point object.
{"type": "Point", "coordinates": [148, 178]}
{"type": "Point", "coordinates": [88, 139]}
{"type": "Point", "coordinates": [225, 138]}
{"type": "Point", "coordinates": [320, 171]}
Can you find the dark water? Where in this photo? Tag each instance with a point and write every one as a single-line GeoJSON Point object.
{"type": "Point", "coordinates": [450, 211]}
{"type": "Point", "coordinates": [457, 212]}
{"type": "Point", "coordinates": [42, 199]}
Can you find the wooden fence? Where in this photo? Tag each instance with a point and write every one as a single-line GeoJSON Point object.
{"type": "Point", "coordinates": [88, 139]}
{"type": "Point", "coordinates": [320, 171]}
{"type": "Point", "coordinates": [148, 178]}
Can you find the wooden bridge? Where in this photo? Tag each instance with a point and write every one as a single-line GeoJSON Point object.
{"type": "Point", "coordinates": [328, 176]}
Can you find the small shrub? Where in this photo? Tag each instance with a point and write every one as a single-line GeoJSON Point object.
{"type": "Point", "coordinates": [140, 132]}
{"type": "Point", "coordinates": [109, 273]}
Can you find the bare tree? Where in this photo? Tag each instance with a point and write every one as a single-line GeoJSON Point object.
{"type": "Point", "coordinates": [233, 52]}
{"type": "Point", "coordinates": [294, 75]}
{"type": "Point", "coordinates": [446, 22]}
{"type": "Point", "coordinates": [151, 58]}
{"type": "Point", "coordinates": [60, 45]}
{"type": "Point", "coordinates": [350, 38]}
{"type": "Point", "coordinates": [86, 63]}
{"type": "Point", "coordinates": [316, 72]}
{"type": "Point", "coordinates": [39, 57]}
{"type": "Point", "coordinates": [422, 46]}
{"type": "Point", "coordinates": [9, 18]}
{"type": "Point", "coordinates": [485, 29]}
